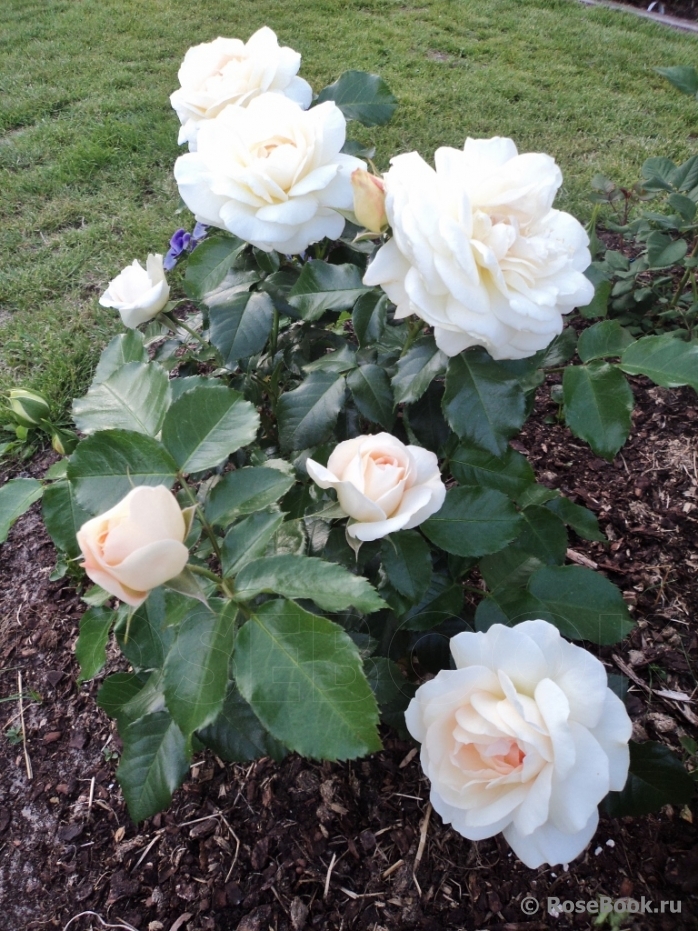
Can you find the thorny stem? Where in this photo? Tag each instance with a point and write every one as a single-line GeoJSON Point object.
{"type": "Point", "coordinates": [415, 329]}
{"type": "Point", "coordinates": [684, 278]}
{"type": "Point", "coordinates": [176, 324]}
{"type": "Point", "coordinates": [274, 332]}
{"type": "Point", "coordinates": [208, 529]}
{"type": "Point", "coordinates": [207, 574]}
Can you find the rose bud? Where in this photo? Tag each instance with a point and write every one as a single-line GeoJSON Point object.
{"type": "Point", "coordinates": [138, 293]}
{"type": "Point", "coordinates": [29, 407]}
{"type": "Point", "coordinates": [137, 545]}
{"type": "Point", "coordinates": [369, 200]}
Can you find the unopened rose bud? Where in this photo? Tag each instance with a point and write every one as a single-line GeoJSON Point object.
{"type": "Point", "coordinates": [64, 442]}
{"type": "Point", "coordinates": [136, 545]}
{"type": "Point", "coordinates": [28, 406]}
{"type": "Point", "coordinates": [369, 200]}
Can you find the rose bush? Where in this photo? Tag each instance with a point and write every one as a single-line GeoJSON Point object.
{"type": "Point", "coordinates": [136, 545]}
{"type": "Point", "coordinates": [279, 361]}
{"type": "Point", "coordinates": [138, 293]}
{"type": "Point", "coordinates": [477, 250]}
{"type": "Point", "coordinates": [523, 737]}
{"type": "Point", "coordinates": [229, 71]}
{"type": "Point", "coordinates": [271, 173]}
{"type": "Point", "coordinates": [383, 485]}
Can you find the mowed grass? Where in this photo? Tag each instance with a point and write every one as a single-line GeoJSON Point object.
{"type": "Point", "coordinates": [89, 139]}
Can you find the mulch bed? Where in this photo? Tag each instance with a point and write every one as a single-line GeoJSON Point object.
{"type": "Point", "coordinates": [305, 845]}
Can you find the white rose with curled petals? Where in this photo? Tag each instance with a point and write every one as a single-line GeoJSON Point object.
{"type": "Point", "coordinates": [383, 485]}
{"type": "Point", "coordinates": [477, 250]}
{"type": "Point", "coordinates": [230, 71]}
{"type": "Point", "coordinates": [138, 293]}
{"type": "Point", "coordinates": [271, 173]}
{"type": "Point", "coordinates": [136, 545]}
{"type": "Point", "coordinates": [523, 737]}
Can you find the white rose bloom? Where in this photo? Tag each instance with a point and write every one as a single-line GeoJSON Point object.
{"type": "Point", "coordinates": [136, 545]}
{"type": "Point", "coordinates": [523, 737]}
{"type": "Point", "coordinates": [477, 250]}
{"type": "Point", "coordinates": [138, 293]}
{"type": "Point", "coordinates": [382, 484]}
{"type": "Point", "coordinates": [230, 71]}
{"type": "Point", "coordinates": [271, 173]}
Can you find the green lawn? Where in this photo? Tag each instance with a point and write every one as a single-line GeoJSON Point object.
{"type": "Point", "coordinates": [88, 137]}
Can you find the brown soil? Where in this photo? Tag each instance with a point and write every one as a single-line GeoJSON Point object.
{"type": "Point", "coordinates": [332, 846]}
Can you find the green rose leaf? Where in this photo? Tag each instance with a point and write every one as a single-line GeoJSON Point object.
{"type": "Point", "coordinates": [63, 517]}
{"type": "Point", "coordinates": [509, 569]}
{"type": "Point", "coordinates": [370, 387]}
{"type": "Point", "coordinates": [510, 473]}
{"type": "Point", "coordinates": [322, 287]}
{"type": "Point", "coordinates": [656, 777]}
{"type": "Point", "coordinates": [442, 600]}
{"type": "Point", "coordinates": [473, 522]}
{"type": "Point", "coordinates": [90, 649]}
{"type": "Point", "coordinates": [330, 586]}
{"type": "Point", "coordinates": [406, 558]}
{"type": "Point", "coordinates": [416, 370]}
{"type": "Point", "coordinates": [581, 603]}
{"type": "Point", "coordinates": [667, 360]}
{"type": "Point", "coordinates": [16, 497]}
{"type": "Point", "coordinates": [237, 735]}
{"type": "Point", "coordinates": [598, 404]}
{"type": "Point", "coordinates": [134, 397]}
{"type": "Point", "coordinates": [240, 327]}
{"type": "Point", "coordinates": [245, 491]}
{"type": "Point", "coordinates": [153, 764]}
{"type": "Point", "coordinates": [604, 339]}
{"type": "Point", "coordinates": [543, 535]}
{"type": "Point", "coordinates": [684, 77]}
{"type": "Point", "coordinates": [195, 674]}
{"type": "Point", "coordinates": [663, 251]}
{"type": "Point", "coordinates": [308, 414]}
{"type": "Point", "coordinates": [106, 466]}
{"type": "Point", "coordinates": [125, 348]}
{"type": "Point", "coordinates": [580, 519]}
{"type": "Point", "coordinates": [209, 263]}
{"type": "Point", "coordinates": [303, 677]}
{"type": "Point", "coordinates": [117, 691]}
{"type": "Point", "coordinates": [599, 303]}
{"type": "Point", "coordinates": [483, 404]}
{"type": "Point", "coordinates": [248, 540]}
{"type": "Point", "coordinates": [361, 96]}
{"type": "Point", "coordinates": [369, 317]}
{"type": "Point", "coordinates": [152, 628]}
{"type": "Point", "coordinates": [205, 425]}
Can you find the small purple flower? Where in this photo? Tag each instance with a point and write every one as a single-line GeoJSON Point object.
{"type": "Point", "coordinates": [200, 231]}
{"type": "Point", "coordinates": [178, 244]}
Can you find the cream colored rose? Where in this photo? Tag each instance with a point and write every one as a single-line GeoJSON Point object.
{"type": "Point", "coordinates": [478, 251]}
{"type": "Point", "coordinates": [229, 71]}
{"type": "Point", "coordinates": [523, 737]}
{"type": "Point", "coordinates": [271, 173]}
{"type": "Point", "coordinates": [138, 293]}
{"type": "Point", "coordinates": [383, 485]}
{"type": "Point", "coordinates": [137, 545]}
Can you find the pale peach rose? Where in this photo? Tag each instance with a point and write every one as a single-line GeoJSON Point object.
{"type": "Point", "coordinates": [523, 737]}
{"type": "Point", "coordinates": [369, 200]}
{"type": "Point", "coordinates": [136, 545]}
{"type": "Point", "coordinates": [383, 485]}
